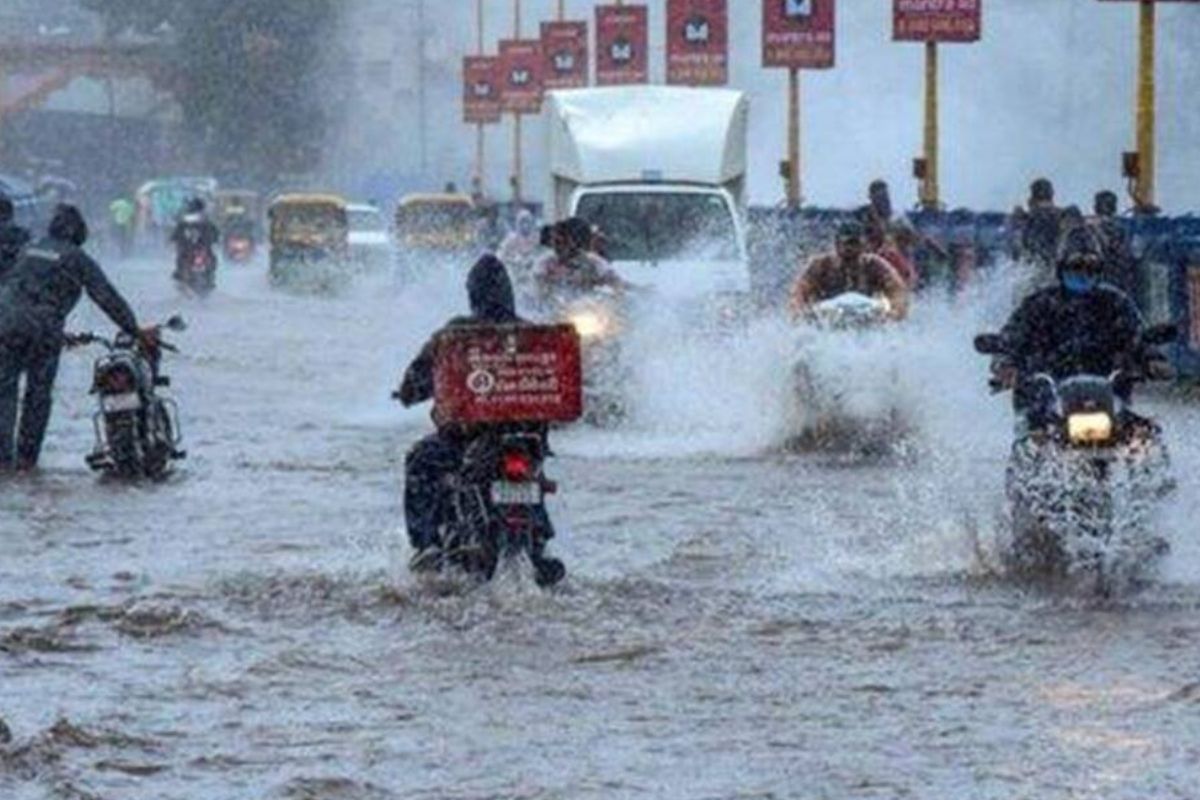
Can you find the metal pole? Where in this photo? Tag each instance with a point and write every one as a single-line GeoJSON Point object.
{"type": "Point", "coordinates": [480, 135]}
{"type": "Point", "coordinates": [793, 176]}
{"type": "Point", "coordinates": [1146, 112]}
{"type": "Point", "coordinates": [422, 96]}
{"type": "Point", "coordinates": [930, 191]}
{"type": "Point", "coordinates": [562, 10]}
{"type": "Point", "coordinates": [516, 176]}
{"type": "Point", "coordinates": [3, 108]}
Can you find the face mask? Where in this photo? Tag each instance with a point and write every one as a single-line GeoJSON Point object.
{"type": "Point", "coordinates": [1079, 283]}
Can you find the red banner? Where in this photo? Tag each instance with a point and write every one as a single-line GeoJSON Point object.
{"type": "Point", "coordinates": [622, 45]}
{"type": "Point", "coordinates": [938, 20]}
{"type": "Point", "coordinates": [698, 42]}
{"type": "Point", "coordinates": [565, 55]}
{"type": "Point", "coordinates": [521, 76]}
{"type": "Point", "coordinates": [481, 94]}
{"type": "Point", "coordinates": [799, 34]}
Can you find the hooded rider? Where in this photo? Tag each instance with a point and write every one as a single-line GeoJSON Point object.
{"type": "Point", "coordinates": [1081, 325]}
{"type": "Point", "coordinates": [13, 237]}
{"type": "Point", "coordinates": [440, 454]}
{"type": "Point", "coordinates": [36, 298]}
{"type": "Point", "coordinates": [194, 232]}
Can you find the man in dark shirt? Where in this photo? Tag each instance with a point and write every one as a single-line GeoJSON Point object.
{"type": "Point", "coordinates": [36, 297]}
{"type": "Point", "coordinates": [13, 237]}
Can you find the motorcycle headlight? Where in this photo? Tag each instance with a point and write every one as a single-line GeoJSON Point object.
{"type": "Point", "coordinates": [1093, 428]}
{"type": "Point", "coordinates": [590, 324]}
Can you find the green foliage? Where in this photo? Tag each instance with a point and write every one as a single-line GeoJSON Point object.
{"type": "Point", "coordinates": [247, 70]}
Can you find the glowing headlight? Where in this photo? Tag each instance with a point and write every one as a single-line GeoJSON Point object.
{"type": "Point", "coordinates": [1096, 428]}
{"type": "Point", "coordinates": [590, 324]}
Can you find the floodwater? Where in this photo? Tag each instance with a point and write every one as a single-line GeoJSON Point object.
{"type": "Point", "coordinates": [739, 622]}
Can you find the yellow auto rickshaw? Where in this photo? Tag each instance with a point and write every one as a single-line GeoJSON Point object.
{"type": "Point", "coordinates": [435, 225]}
{"type": "Point", "coordinates": [310, 241]}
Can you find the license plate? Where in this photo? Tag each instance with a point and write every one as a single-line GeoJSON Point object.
{"type": "Point", "coordinates": [116, 403]}
{"type": "Point", "coordinates": [516, 494]}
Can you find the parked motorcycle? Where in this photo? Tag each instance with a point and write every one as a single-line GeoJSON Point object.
{"type": "Point", "coordinates": [1085, 473]}
{"type": "Point", "coordinates": [137, 431]}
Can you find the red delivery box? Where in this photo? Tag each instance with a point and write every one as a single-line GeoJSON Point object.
{"type": "Point", "coordinates": [507, 373]}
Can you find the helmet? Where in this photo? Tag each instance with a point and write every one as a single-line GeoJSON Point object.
{"type": "Point", "coordinates": [1080, 260]}
{"type": "Point", "coordinates": [68, 225]}
{"type": "Point", "coordinates": [194, 206]}
{"type": "Point", "coordinates": [1106, 204]}
{"type": "Point", "coordinates": [577, 232]}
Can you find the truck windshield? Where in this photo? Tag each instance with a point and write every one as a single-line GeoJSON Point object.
{"type": "Point", "coordinates": [662, 226]}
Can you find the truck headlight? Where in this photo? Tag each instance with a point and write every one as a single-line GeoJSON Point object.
{"type": "Point", "coordinates": [1093, 428]}
{"type": "Point", "coordinates": [591, 324]}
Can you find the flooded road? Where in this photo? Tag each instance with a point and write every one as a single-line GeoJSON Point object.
{"type": "Point", "coordinates": [738, 622]}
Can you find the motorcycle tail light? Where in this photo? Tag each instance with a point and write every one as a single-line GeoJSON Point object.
{"type": "Point", "coordinates": [516, 466]}
{"type": "Point", "coordinates": [1090, 429]}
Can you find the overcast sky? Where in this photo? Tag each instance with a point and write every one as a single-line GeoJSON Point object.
{"type": "Point", "coordinates": [1049, 90]}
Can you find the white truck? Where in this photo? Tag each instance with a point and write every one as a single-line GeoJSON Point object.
{"type": "Point", "coordinates": [662, 171]}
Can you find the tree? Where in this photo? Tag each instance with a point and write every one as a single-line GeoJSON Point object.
{"type": "Point", "coordinates": [246, 71]}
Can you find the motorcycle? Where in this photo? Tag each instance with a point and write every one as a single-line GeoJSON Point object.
{"type": "Point", "coordinates": [494, 511]}
{"type": "Point", "coordinates": [1085, 472]}
{"type": "Point", "coordinates": [600, 320]}
{"type": "Point", "coordinates": [844, 403]}
{"type": "Point", "coordinates": [137, 431]}
{"type": "Point", "coordinates": [197, 272]}
{"type": "Point", "coordinates": [239, 248]}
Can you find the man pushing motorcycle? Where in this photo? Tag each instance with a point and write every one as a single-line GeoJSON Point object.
{"type": "Point", "coordinates": [850, 268]}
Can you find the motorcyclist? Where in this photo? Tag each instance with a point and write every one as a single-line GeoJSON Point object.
{"type": "Point", "coordinates": [881, 243]}
{"type": "Point", "coordinates": [13, 237]}
{"type": "Point", "coordinates": [572, 269]}
{"type": "Point", "coordinates": [40, 292]}
{"type": "Point", "coordinates": [1038, 229]}
{"type": "Point", "coordinates": [849, 269]}
{"type": "Point", "coordinates": [194, 232]}
{"type": "Point", "coordinates": [1079, 326]}
{"type": "Point", "coordinates": [1120, 264]}
{"type": "Point", "coordinates": [520, 248]}
{"type": "Point", "coordinates": [439, 455]}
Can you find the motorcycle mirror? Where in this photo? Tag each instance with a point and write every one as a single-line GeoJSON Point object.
{"type": "Point", "coordinates": [1167, 333]}
{"type": "Point", "coordinates": [990, 344]}
{"type": "Point", "coordinates": [176, 323]}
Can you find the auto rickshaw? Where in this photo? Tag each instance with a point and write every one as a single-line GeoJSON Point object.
{"type": "Point", "coordinates": [237, 216]}
{"type": "Point", "coordinates": [433, 225]}
{"type": "Point", "coordinates": [310, 241]}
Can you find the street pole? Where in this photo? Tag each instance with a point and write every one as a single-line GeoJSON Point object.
{"type": "Point", "coordinates": [477, 183]}
{"type": "Point", "coordinates": [930, 191]}
{"type": "Point", "coordinates": [793, 166]}
{"type": "Point", "coordinates": [1146, 112]}
{"type": "Point", "coordinates": [562, 10]}
{"type": "Point", "coordinates": [516, 176]}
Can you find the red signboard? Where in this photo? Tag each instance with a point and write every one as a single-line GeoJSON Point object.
{"type": "Point", "coordinates": [1194, 307]}
{"type": "Point", "coordinates": [481, 94]}
{"type": "Point", "coordinates": [508, 373]}
{"type": "Point", "coordinates": [938, 20]}
{"type": "Point", "coordinates": [521, 76]}
{"type": "Point", "coordinates": [622, 45]}
{"type": "Point", "coordinates": [565, 55]}
{"type": "Point", "coordinates": [799, 34]}
{"type": "Point", "coordinates": [698, 42]}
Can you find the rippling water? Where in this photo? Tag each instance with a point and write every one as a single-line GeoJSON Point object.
{"type": "Point", "coordinates": [738, 622]}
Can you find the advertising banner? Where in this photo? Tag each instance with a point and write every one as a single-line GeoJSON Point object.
{"type": "Point", "coordinates": [481, 94]}
{"type": "Point", "coordinates": [799, 34]}
{"type": "Point", "coordinates": [521, 76]}
{"type": "Point", "coordinates": [564, 55]}
{"type": "Point", "coordinates": [698, 42]}
{"type": "Point", "coordinates": [938, 20]}
{"type": "Point", "coordinates": [622, 45]}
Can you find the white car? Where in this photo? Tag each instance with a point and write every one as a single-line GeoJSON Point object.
{"type": "Point", "coordinates": [370, 244]}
